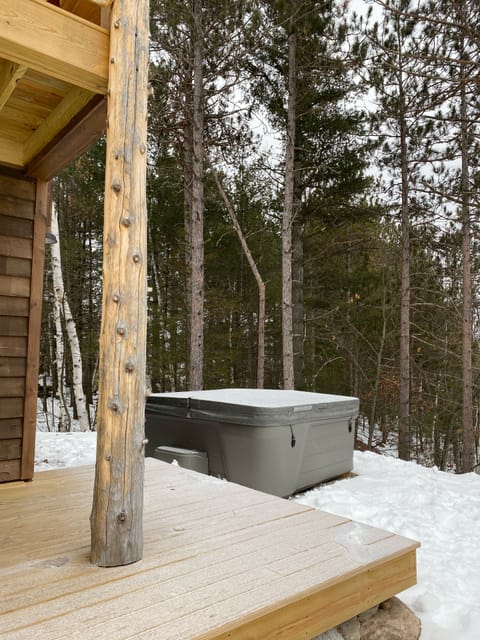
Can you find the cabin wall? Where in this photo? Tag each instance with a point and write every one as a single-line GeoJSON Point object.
{"type": "Point", "coordinates": [23, 212]}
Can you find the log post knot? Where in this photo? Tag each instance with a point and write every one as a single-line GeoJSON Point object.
{"type": "Point", "coordinates": [130, 366]}
{"type": "Point", "coordinates": [122, 329]}
{"type": "Point", "coordinates": [116, 187]}
{"type": "Point", "coordinates": [115, 405]}
{"type": "Point", "coordinates": [136, 258]}
{"type": "Point", "coordinates": [121, 517]}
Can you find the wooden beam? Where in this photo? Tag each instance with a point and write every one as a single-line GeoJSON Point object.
{"type": "Point", "coordinates": [42, 206]}
{"type": "Point", "coordinates": [117, 513]}
{"type": "Point", "coordinates": [52, 41]}
{"type": "Point", "coordinates": [10, 74]}
{"type": "Point", "coordinates": [75, 100]}
{"type": "Point", "coordinates": [85, 129]}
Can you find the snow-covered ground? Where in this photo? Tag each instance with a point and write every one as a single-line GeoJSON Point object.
{"type": "Point", "coordinates": [441, 510]}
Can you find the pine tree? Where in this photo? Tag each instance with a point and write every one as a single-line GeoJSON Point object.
{"type": "Point", "coordinates": [199, 50]}
{"type": "Point", "coordinates": [394, 69]}
{"type": "Point", "coordinates": [302, 56]}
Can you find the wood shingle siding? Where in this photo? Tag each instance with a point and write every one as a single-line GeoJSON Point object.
{"type": "Point", "coordinates": [13, 306]}
{"type": "Point", "coordinates": [18, 251]}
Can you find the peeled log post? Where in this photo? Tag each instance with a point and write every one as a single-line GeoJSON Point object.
{"type": "Point", "coordinates": [117, 512]}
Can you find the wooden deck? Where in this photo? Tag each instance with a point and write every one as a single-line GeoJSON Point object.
{"type": "Point", "coordinates": [220, 561]}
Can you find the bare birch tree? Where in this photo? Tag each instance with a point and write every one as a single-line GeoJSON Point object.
{"type": "Point", "coordinates": [63, 317]}
{"type": "Point", "coordinates": [64, 423]}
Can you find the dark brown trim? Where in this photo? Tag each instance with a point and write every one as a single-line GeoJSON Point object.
{"type": "Point", "coordinates": [42, 205]}
{"type": "Point", "coordinates": [82, 131]}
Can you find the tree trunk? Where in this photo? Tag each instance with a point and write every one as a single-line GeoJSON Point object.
{"type": "Point", "coordinates": [378, 368]}
{"type": "Point", "coordinates": [187, 191]}
{"type": "Point", "coordinates": [258, 279]}
{"type": "Point", "coordinates": [404, 390]}
{"type": "Point", "coordinates": [287, 220]}
{"type": "Point", "coordinates": [467, 319]}
{"type": "Point", "coordinates": [298, 324]}
{"type": "Point", "coordinates": [66, 314]}
{"type": "Point", "coordinates": [117, 512]}
{"type": "Point", "coordinates": [197, 250]}
{"type": "Point", "coordinates": [64, 423]}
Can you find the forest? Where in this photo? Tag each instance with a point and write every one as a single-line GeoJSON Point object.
{"type": "Point", "coordinates": [313, 202]}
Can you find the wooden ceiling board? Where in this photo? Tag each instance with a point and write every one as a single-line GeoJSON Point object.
{"type": "Point", "coordinates": [36, 80]}
{"type": "Point", "coordinates": [22, 101]}
{"type": "Point", "coordinates": [41, 100]}
{"type": "Point", "coordinates": [11, 129]}
{"type": "Point", "coordinates": [26, 112]}
{"type": "Point", "coordinates": [11, 152]}
{"type": "Point", "coordinates": [38, 95]}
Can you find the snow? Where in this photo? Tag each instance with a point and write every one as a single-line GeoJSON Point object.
{"type": "Point", "coordinates": [268, 398]}
{"type": "Point", "coordinates": [441, 510]}
{"type": "Point", "coordinates": [55, 450]}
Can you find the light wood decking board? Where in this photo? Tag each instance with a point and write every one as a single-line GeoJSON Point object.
{"type": "Point", "coordinates": [220, 561]}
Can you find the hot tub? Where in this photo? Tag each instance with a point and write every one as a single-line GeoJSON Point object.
{"type": "Point", "coordinates": [274, 441]}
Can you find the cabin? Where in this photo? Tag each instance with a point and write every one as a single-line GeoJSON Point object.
{"type": "Point", "coordinates": [187, 557]}
{"type": "Point", "coordinates": [53, 82]}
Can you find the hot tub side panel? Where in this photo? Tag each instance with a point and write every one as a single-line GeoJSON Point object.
{"type": "Point", "coordinates": [303, 450]}
{"type": "Point", "coordinates": [187, 433]}
{"type": "Point", "coordinates": [328, 451]}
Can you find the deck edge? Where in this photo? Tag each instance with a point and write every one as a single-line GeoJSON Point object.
{"type": "Point", "coordinates": [316, 611]}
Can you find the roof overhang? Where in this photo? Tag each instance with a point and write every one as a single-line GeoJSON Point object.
{"type": "Point", "coordinates": [53, 73]}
